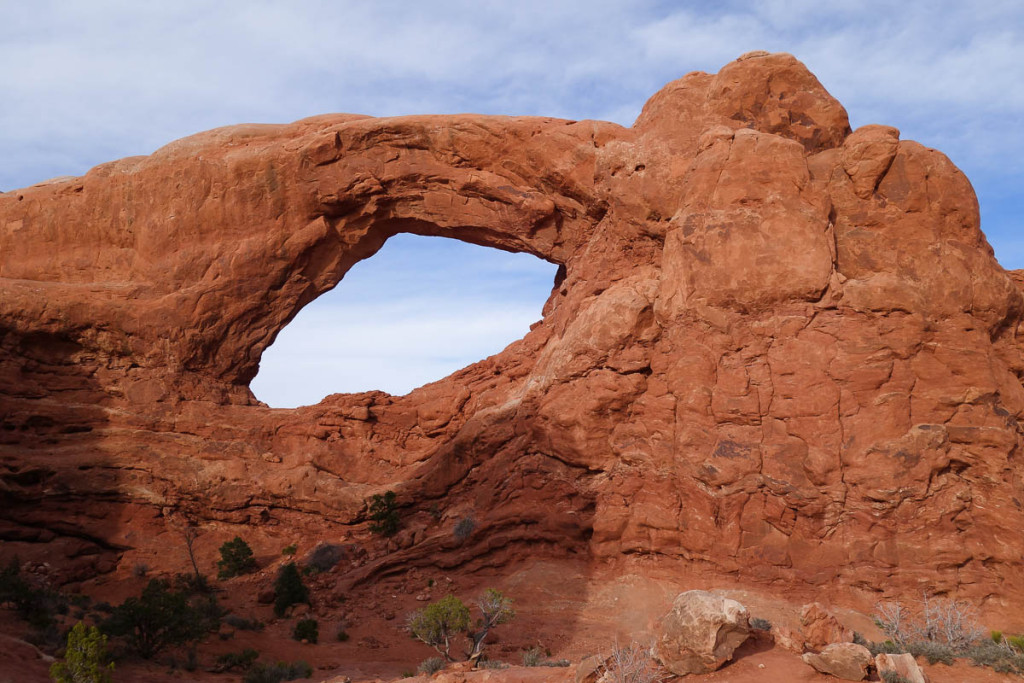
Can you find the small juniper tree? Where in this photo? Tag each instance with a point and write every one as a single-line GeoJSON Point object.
{"type": "Point", "coordinates": [161, 617]}
{"type": "Point", "coordinates": [439, 622]}
{"type": "Point", "coordinates": [289, 589]}
{"type": "Point", "coordinates": [85, 658]}
{"type": "Point", "coordinates": [495, 609]}
{"type": "Point", "coordinates": [308, 630]}
{"type": "Point", "coordinates": [235, 558]}
{"type": "Point", "coordinates": [384, 514]}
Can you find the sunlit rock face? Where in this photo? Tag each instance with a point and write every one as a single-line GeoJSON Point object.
{"type": "Point", "coordinates": [776, 348]}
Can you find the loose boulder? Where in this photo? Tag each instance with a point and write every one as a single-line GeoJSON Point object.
{"type": "Point", "coordinates": [904, 665]}
{"type": "Point", "coordinates": [820, 627]}
{"type": "Point", "coordinates": [848, 661]}
{"type": "Point", "coordinates": [701, 632]}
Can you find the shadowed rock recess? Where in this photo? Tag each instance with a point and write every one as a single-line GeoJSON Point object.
{"type": "Point", "coordinates": [776, 349]}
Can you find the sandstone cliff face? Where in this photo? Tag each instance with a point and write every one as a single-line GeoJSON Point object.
{"type": "Point", "coordinates": [776, 348]}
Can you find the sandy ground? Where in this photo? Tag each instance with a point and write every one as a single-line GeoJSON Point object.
{"type": "Point", "coordinates": [572, 609]}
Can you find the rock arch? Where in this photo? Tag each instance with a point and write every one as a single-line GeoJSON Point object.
{"type": "Point", "coordinates": [772, 339]}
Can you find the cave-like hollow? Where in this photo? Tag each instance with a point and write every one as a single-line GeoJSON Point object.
{"type": "Point", "coordinates": [413, 313]}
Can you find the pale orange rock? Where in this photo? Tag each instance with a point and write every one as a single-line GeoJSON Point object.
{"type": "Point", "coordinates": [700, 633]}
{"type": "Point", "coordinates": [902, 665]}
{"type": "Point", "coordinates": [847, 661]}
{"type": "Point", "coordinates": [777, 349]}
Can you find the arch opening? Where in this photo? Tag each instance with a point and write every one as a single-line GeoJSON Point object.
{"type": "Point", "coordinates": [418, 310]}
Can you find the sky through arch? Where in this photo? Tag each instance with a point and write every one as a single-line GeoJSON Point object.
{"type": "Point", "coordinates": [418, 310]}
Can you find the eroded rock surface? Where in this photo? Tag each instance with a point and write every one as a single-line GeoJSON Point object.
{"type": "Point", "coordinates": [777, 349]}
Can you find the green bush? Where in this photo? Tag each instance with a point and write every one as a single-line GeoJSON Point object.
{"type": "Point", "coordinates": [325, 556]}
{"type": "Point", "coordinates": [85, 657]}
{"type": "Point", "coordinates": [243, 624]}
{"type": "Point", "coordinates": [240, 661]}
{"type": "Point", "coordinates": [275, 673]}
{"type": "Point", "coordinates": [158, 619]}
{"type": "Point", "coordinates": [342, 635]}
{"type": "Point", "coordinates": [431, 666]}
{"type": "Point", "coordinates": [37, 605]}
{"type": "Point", "coordinates": [289, 550]}
{"type": "Point", "coordinates": [289, 589]}
{"type": "Point", "coordinates": [439, 622]}
{"type": "Point", "coordinates": [383, 511]}
{"type": "Point", "coordinates": [308, 630]}
{"type": "Point", "coordinates": [236, 558]}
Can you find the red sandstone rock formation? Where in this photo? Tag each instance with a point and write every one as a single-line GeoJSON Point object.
{"type": "Point", "coordinates": [776, 348]}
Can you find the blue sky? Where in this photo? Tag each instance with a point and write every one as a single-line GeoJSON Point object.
{"type": "Point", "coordinates": [87, 82]}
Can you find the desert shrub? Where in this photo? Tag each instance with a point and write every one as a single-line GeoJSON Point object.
{"type": "Point", "coordinates": [431, 665]}
{"type": "Point", "coordinates": [236, 661]}
{"type": "Point", "coordinates": [236, 558]}
{"type": "Point", "coordinates": [140, 569]}
{"type": "Point", "coordinates": [1002, 657]}
{"type": "Point", "coordinates": [894, 620]}
{"type": "Point", "coordinates": [85, 657]}
{"type": "Point", "coordinates": [759, 624]}
{"type": "Point", "coordinates": [159, 618]}
{"type": "Point", "coordinates": [533, 657]}
{"type": "Point", "coordinates": [80, 600]}
{"type": "Point", "coordinates": [893, 677]}
{"type": "Point", "coordinates": [464, 528]}
{"type": "Point", "coordinates": [940, 630]}
{"type": "Point", "coordinates": [631, 664]}
{"type": "Point", "coordinates": [342, 634]}
{"type": "Point", "coordinates": [38, 605]}
{"type": "Point", "coordinates": [289, 589]}
{"type": "Point", "coordinates": [1017, 642]}
{"type": "Point", "coordinates": [243, 624]}
{"type": "Point", "coordinates": [289, 550]}
{"type": "Point", "coordinates": [308, 630]}
{"type": "Point", "coordinates": [384, 513]}
{"type": "Point", "coordinates": [491, 664]}
{"type": "Point", "coordinates": [209, 610]}
{"type": "Point", "coordinates": [439, 622]}
{"type": "Point", "coordinates": [275, 673]}
{"type": "Point", "coordinates": [951, 622]}
{"type": "Point", "coordinates": [325, 556]}
{"type": "Point", "coordinates": [192, 584]}
{"type": "Point", "coordinates": [935, 653]}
